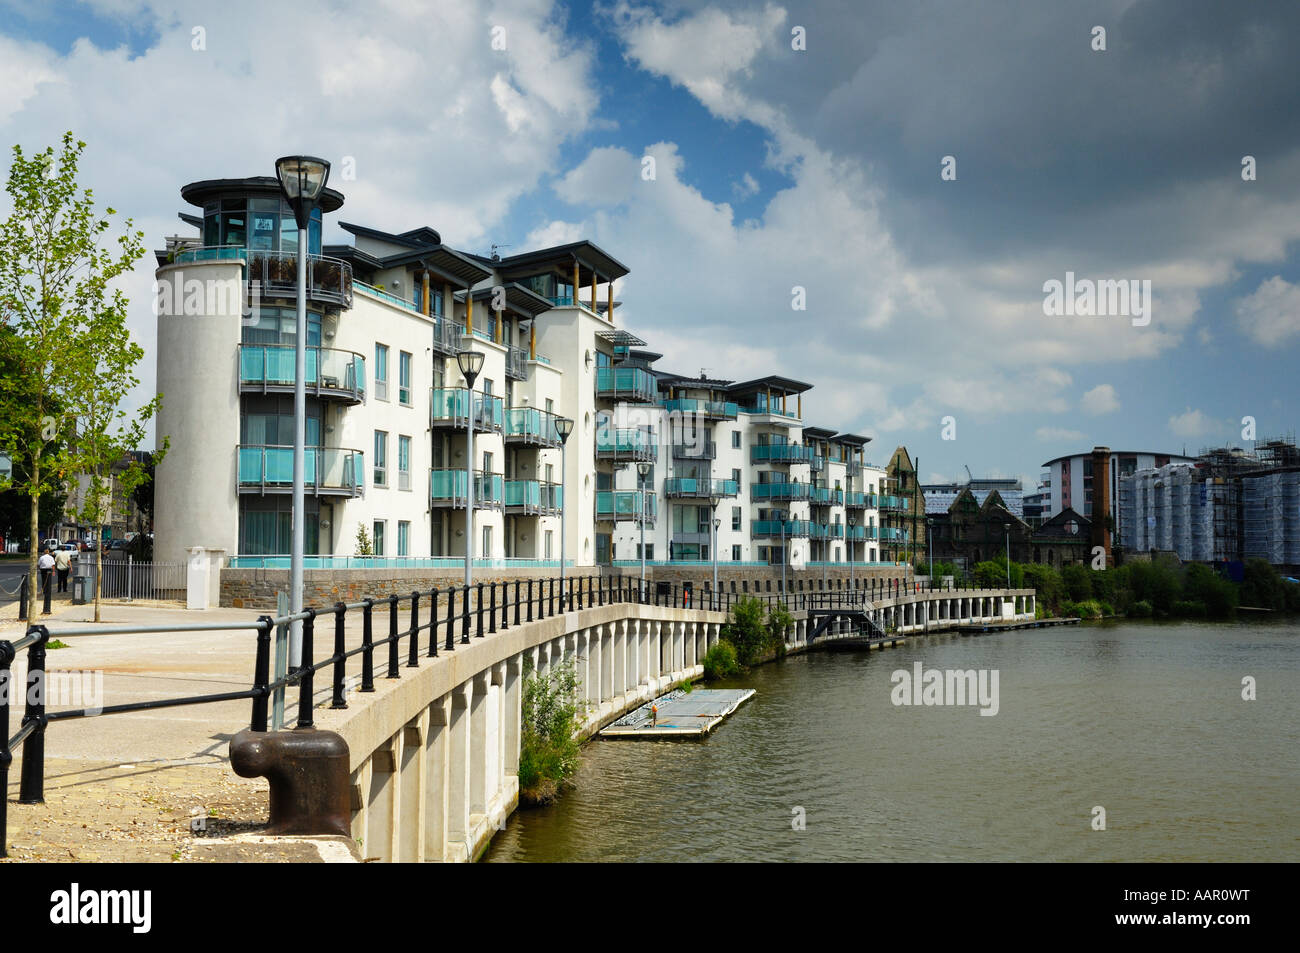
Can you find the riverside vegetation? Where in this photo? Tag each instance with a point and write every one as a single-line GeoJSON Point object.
{"type": "Point", "coordinates": [548, 744]}
{"type": "Point", "coordinates": [1162, 588]}
{"type": "Point", "coordinates": [752, 632]}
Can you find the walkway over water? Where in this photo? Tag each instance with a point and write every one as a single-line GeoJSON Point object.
{"type": "Point", "coordinates": [428, 693]}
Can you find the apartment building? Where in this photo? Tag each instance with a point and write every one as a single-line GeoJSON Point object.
{"type": "Point", "coordinates": [738, 470]}
{"type": "Point", "coordinates": [387, 410]}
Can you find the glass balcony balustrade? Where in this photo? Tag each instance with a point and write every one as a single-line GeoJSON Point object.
{"type": "Point", "coordinates": [699, 449]}
{"type": "Point", "coordinates": [698, 407]}
{"type": "Point", "coordinates": [450, 408]}
{"type": "Point", "coordinates": [328, 279]}
{"type": "Point", "coordinates": [855, 499]}
{"type": "Point", "coordinates": [531, 427]}
{"type": "Point", "coordinates": [330, 372]}
{"type": "Point", "coordinates": [779, 491]}
{"type": "Point", "coordinates": [626, 505]}
{"type": "Point", "coordinates": [761, 529]}
{"type": "Point", "coordinates": [626, 443]}
{"type": "Point", "coordinates": [447, 488]}
{"type": "Point", "coordinates": [694, 488]}
{"type": "Point", "coordinates": [627, 384]}
{"type": "Point", "coordinates": [327, 471]}
{"type": "Point", "coordinates": [534, 497]}
{"type": "Point", "coordinates": [782, 453]}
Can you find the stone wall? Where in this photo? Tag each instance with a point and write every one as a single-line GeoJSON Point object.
{"type": "Point", "coordinates": [257, 588]}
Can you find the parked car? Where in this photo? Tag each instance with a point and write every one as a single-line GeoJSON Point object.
{"type": "Point", "coordinates": [88, 545]}
{"type": "Point", "coordinates": [71, 547]}
{"type": "Point", "coordinates": [50, 545]}
{"type": "Point", "coordinates": [115, 545]}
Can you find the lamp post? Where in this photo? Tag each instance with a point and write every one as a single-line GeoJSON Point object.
{"type": "Point", "coordinates": [642, 471]}
{"type": "Point", "coordinates": [1006, 527]}
{"type": "Point", "coordinates": [471, 364]}
{"type": "Point", "coordinates": [563, 427]}
{"type": "Point", "coordinates": [853, 558]}
{"type": "Point", "coordinates": [302, 179]}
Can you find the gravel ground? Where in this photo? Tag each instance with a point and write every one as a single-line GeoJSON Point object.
{"type": "Point", "coordinates": [161, 812]}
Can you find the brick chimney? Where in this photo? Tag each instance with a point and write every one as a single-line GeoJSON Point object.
{"type": "Point", "coordinates": [1100, 501]}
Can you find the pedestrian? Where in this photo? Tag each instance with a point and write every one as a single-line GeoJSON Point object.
{"type": "Point", "coordinates": [63, 563]}
{"type": "Point", "coordinates": [46, 565]}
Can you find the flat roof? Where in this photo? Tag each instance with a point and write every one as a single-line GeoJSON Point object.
{"type": "Point", "coordinates": [198, 193]}
{"type": "Point", "coordinates": [782, 385]}
{"type": "Point", "coordinates": [1119, 453]}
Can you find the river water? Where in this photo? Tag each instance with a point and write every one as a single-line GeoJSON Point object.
{"type": "Point", "coordinates": [1145, 720]}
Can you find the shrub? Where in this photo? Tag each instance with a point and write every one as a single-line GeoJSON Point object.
{"type": "Point", "coordinates": [548, 749]}
{"type": "Point", "coordinates": [1217, 595]}
{"type": "Point", "coordinates": [1077, 580]}
{"type": "Point", "coordinates": [1140, 609]}
{"type": "Point", "coordinates": [747, 631]}
{"type": "Point", "coordinates": [720, 661]}
{"type": "Point", "coordinates": [1188, 607]}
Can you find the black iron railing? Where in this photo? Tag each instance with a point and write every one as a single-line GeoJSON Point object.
{"type": "Point", "coordinates": [436, 621]}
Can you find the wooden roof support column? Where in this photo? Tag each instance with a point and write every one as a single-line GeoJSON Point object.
{"type": "Point", "coordinates": [575, 282]}
{"type": "Point", "coordinates": [532, 340]}
{"type": "Point", "coordinates": [595, 302]}
{"type": "Point", "coordinates": [609, 309]}
{"type": "Point", "coordinates": [424, 293]}
{"type": "Point", "coordinates": [469, 311]}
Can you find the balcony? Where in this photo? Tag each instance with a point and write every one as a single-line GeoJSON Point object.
{"type": "Point", "coordinates": [447, 336]}
{"type": "Point", "coordinates": [690, 488]}
{"type": "Point", "coordinates": [331, 374]}
{"type": "Point", "coordinates": [635, 444]}
{"type": "Point", "coordinates": [530, 427]}
{"type": "Point", "coordinates": [447, 489]}
{"type": "Point", "coordinates": [631, 384]}
{"type": "Point", "coordinates": [759, 492]}
{"type": "Point", "coordinates": [826, 496]}
{"type": "Point", "coordinates": [767, 529]}
{"type": "Point", "coordinates": [856, 533]}
{"type": "Point", "coordinates": [760, 407]}
{"type": "Point", "coordinates": [706, 409]}
{"type": "Point", "coordinates": [891, 533]}
{"type": "Point", "coordinates": [700, 450]}
{"type": "Point", "coordinates": [783, 453]}
{"type": "Point", "coordinates": [896, 504]}
{"type": "Point", "coordinates": [329, 280]}
{"type": "Point", "coordinates": [450, 410]}
{"type": "Point", "coordinates": [327, 471]}
{"type": "Point", "coordinates": [625, 505]}
{"type": "Point", "coordinates": [516, 363]}
{"type": "Point", "coordinates": [856, 499]}
{"type": "Point", "coordinates": [534, 498]}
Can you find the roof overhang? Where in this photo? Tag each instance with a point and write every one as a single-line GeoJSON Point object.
{"type": "Point", "coordinates": [774, 383]}
{"type": "Point", "coordinates": [619, 338]}
{"type": "Point", "coordinates": [198, 193]}
{"type": "Point", "coordinates": [592, 261]}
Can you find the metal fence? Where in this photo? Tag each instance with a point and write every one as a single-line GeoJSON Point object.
{"type": "Point", "coordinates": [129, 579]}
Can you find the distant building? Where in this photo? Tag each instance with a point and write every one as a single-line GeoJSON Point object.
{"type": "Point", "coordinates": [971, 532]}
{"type": "Point", "coordinates": [1036, 504]}
{"type": "Point", "coordinates": [940, 496]}
{"type": "Point", "coordinates": [1069, 480]}
{"type": "Point", "coordinates": [1229, 505]}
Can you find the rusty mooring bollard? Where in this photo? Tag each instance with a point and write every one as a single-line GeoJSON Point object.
{"type": "Point", "coordinates": [308, 772]}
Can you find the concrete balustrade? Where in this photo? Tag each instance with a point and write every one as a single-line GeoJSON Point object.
{"type": "Point", "coordinates": [435, 753]}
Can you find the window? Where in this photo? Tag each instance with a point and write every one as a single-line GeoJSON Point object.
{"type": "Point", "coordinates": [403, 538]}
{"type": "Point", "coordinates": [550, 406]}
{"type": "Point", "coordinates": [403, 463]}
{"type": "Point", "coordinates": [735, 518]}
{"type": "Point", "coordinates": [378, 538]}
{"type": "Point", "coordinates": [381, 371]}
{"type": "Point", "coordinates": [486, 552]}
{"type": "Point", "coordinates": [735, 439]}
{"type": "Point", "coordinates": [381, 458]}
{"type": "Point", "coordinates": [735, 555]}
{"type": "Point", "coordinates": [404, 378]}
{"type": "Point", "coordinates": [487, 463]}
{"type": "Point", "coordinates": [550, 535]}
{"type": "Point", "coordinates": [487, 385]}
{"type": "Point", "coordinates": [735, 475]}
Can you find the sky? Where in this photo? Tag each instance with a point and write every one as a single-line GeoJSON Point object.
{"type": "Point", "coordinates": [921, 171]}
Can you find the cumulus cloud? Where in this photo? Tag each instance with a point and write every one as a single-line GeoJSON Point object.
{"type": "Point", "coordinates": [1059, 434]}
{"type": "Point", "coordinates": [1194, 423]}
{"type": "Point", "coordinates": [1271, 313]}
{"type": "Point", "coordinates": [1100, 400]}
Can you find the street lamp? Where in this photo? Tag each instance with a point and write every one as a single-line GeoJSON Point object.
{"type": "Point", "coordinates": [1006, 527]}
{"type": "Point", "coordinates": [642, 471]}
{"type": "Point", "coordinates": [853, 558]}
{"type": "Point", "coordinates": [302, 180]}
{"type": "Point", "coordinates": [564, 427]}
{"type": "Point", "coordinates": [471, 364]}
